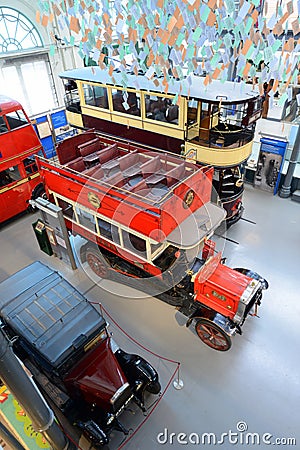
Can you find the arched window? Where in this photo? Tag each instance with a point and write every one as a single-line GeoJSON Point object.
{"type": "Point", "coordinates": [25, 70]}
{"type": "Point", "coordinates": [17, 32]}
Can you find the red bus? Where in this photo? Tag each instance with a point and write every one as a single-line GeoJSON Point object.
{"type": "Point", "coordinates": [146, 218]}
{"type": "Point", "coordinates": [20, 180]}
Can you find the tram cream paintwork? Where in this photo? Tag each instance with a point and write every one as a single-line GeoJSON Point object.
{"type": "Point", "coordinates": [220, 156]}
{"type": "Point", "coordinates": [74, 118]}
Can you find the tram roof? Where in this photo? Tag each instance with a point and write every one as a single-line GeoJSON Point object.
{"type": "Point", "coordinates": [191, 86]}
{"type": "Point", "coordinates": [7, 104]}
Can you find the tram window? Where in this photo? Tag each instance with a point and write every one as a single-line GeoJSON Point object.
{"type": "Point", "coordinates": [228, 112]}
{"type": "Point", "coordinates": [223, 113]}
{"type": "Point", "coordinates": [95, 96]}
{"type": "Point", "coordinates": [30, 165]}
{"type": "Point", "coordinates": [66, 207]}
{"type": "Point", "coordinates": [86, 219]}
{"type": "Point", "coordinates": [172, 114]}
{"type": "Point", "coordinates": [16, 119]}
{"type": "Point", "coordinates": [134, 243]}
{"type": "Point", "coordinates": [9, 176]}
{"type": "Point", "coordinates": [156, 108]}
{"type": "Point", "coordinates": [126, 102]}
{"type": "Point", "coordinates": [70, 85]}
{"type": "Point", "coordinates": [214, 109]}
{"type": "Point", "coordinates": [108, 231]}
{"type": "Point", "coordinates": [192, 111]}
{"type": "Point", "coordinates": [88, 95]}
{"type": "Point", "coordinates": [240, 111]}
{"type": "Point", "coordinates": [72, 101]}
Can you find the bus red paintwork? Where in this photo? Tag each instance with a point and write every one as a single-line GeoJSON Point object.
{"type": "Point", "coordinates": [151, 237]}
{"type": "Point", "coordinates": [19, 177]}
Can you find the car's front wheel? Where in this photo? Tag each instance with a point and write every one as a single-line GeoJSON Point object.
{"type": "Point", "coordinates": [153, 388]}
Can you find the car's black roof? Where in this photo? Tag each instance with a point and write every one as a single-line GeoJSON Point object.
{"type": "Point", "coordinates": [40, 305]}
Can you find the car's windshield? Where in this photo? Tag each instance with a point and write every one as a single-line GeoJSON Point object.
{"type": "Point", "coordinates": [96, 340]}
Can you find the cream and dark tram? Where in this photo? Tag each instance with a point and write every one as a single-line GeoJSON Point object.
{"type": "Point", "coordinates": [210, 124]}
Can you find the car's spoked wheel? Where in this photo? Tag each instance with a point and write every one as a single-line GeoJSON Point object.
{"type": "Point", "coordinates": [212, 335]}
{"type": "Point", "coordinates": [97, 265]}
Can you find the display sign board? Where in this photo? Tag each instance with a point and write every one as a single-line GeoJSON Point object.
{"type": "Point", "coordinates": [58, 119]}
{"type": "Point", "coordinates": [271, 157]}
{"type": "Point", "coordinates": [52, 128]}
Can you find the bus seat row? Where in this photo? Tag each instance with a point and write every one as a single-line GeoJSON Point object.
{"type": "Point", "coordinates": [152, 172]}
{"type": "Point", "coordinates": [107, 156]}
{"type": "Point", "coordinates": [134, 172]}
{"type": "Point", "coordinates": [115, 180]}
{"type": "Point", "coordinates": [138, 187]}
{"type": "Point", "coordinates": [103, 156]}
{"type": "Point", "coordinates": [95, 172]}
{"type": "Point", "coordinates": [77, 164]}
{"type": "Point", "coordinates": [89, 147]}
{"type": "Point", "coordinates": [176, 174]}
{"type": "Point", "coordinates": [131, 163]}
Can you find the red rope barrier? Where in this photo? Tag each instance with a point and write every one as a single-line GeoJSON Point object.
{"type": "Point", "coordinates": [151, 411]}
{"type": "Point", "coordinates": [132, 339]}
{"type": "Point", "coordinates": [101, 307]}
{"type": "Point", "coordinates": [68, 436]}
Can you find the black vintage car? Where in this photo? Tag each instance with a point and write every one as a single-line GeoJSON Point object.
{"type": "Point", "coordinates": [63, 340]}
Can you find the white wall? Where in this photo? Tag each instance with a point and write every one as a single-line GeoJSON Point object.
{"type": "Point", "coordinates": [65, 57]}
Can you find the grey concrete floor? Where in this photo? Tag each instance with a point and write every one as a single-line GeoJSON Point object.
{"type": "Point", "coordinates": [248, 394]}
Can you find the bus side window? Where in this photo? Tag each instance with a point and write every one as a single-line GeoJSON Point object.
{"type": "Point", "coordinates": [108, 230]}
{"type": "Point", "coordinates": [9, 176]}
{"type": "Point", "coordinates": [3, 127]}
{"type": "Point", "coordinates": [16, 119]}
{"type": "Point", "coordinates": [66, 207]}
{"type": "Point", "coordinates": [30, 165]}
{"type": "Point", "coordinates": [134, 243]}
{"type": "Point", "coordinates": [86, 219]}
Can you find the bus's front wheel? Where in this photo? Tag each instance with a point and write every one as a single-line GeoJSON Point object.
{"type": "Point", "coordinates": [212, 335]}
{"type": "Point", "coordinates": [97, 263]}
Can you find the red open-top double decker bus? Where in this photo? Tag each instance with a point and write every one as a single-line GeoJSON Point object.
{"type": "Point", "coordinates": [20, 180]}
{"type": "Point", "coordinates": [146, 217]}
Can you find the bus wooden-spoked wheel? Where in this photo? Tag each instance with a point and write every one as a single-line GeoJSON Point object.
{"type": "Point", "coordinates": [212, 335]}
{"type": "Point", "coordinates": [97, 263]}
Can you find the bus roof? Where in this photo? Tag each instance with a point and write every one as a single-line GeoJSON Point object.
{"type": "Point", "coordinates": [7, 104]}
{"type": "Point", "coordinates": [191, 86]}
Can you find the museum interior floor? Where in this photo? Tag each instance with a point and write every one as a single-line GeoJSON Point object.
{"type": "Point", "coordinates": [252, 390]}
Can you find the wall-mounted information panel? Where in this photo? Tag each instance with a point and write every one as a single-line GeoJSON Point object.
{"type": "Point", "coordinates": [270, 162]}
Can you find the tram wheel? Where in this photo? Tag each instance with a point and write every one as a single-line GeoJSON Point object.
{"type": "Point", "coordinates": [212, 335]}
{"type": "Point", "coordinates": [96, 263]}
